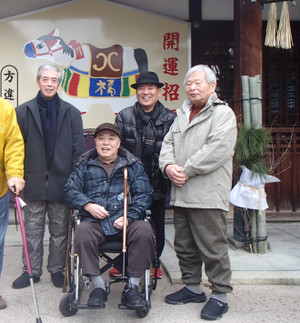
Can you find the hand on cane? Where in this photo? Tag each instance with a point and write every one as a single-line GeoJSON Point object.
{"type": "Point", "coordinates": [16, 184]}
{"type": "Point", "coordinates": [119, 223]}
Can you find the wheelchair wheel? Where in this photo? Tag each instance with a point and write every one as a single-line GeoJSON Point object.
{"type": "Point", "coordinates": [141, 313]}
{"type": "Point", "coordinates": [67, 306]}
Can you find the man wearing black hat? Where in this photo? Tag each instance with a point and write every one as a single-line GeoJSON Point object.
{"type": "Point", "coordinates": [143, 127]}
{"type": "Point", "coordinates": [96, 189]}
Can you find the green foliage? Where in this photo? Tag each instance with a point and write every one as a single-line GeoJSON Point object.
{"type": "Point", "coordinates": [251, 145]}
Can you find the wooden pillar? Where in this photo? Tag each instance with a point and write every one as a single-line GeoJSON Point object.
{"type": "Point", "coordinates": [248, 61]}
{"type": "Point", "coordinates": [195, 17]}
{"type": "Point", "coordinates": [247, 46]}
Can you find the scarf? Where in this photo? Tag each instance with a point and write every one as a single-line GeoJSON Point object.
{"type": "Point", "coordinates": [48, 114]}
{"type": "Point", "coordinates": [149, 130]}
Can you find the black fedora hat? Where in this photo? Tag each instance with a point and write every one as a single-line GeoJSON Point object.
{"type": "Point", "coordinates": [147, 78]}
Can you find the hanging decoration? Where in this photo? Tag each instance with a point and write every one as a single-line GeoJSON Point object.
{"type": "Point", "coordinates": [284, 34]}
{"type": "Point", "coordinates": [283, 38]}
{"type": "Point", "coordinates": [271, 30]}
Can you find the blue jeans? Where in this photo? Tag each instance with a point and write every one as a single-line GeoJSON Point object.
{"type": "Point", "coordinates": [4, 212]}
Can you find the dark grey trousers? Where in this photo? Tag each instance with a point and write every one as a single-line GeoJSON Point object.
{"type": "Point", "coordinates": [140, 246]}
{"type": "Point", "coordinates": [35, 217]}
{"type": "Point", "coordinates": [201, 238]}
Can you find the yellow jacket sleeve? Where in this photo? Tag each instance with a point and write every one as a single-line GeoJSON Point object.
{"type": "Point", "coordinates": [11, 146]}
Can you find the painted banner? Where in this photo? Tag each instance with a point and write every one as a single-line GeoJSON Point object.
{"type": "Point", "coordinates": [101, 48]}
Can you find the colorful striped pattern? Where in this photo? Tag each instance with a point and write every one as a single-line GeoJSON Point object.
{"type": "Point", "coordinates": [79, 84]}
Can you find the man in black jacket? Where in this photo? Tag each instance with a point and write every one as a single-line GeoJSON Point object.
{"type": "Point", "coordinates": [53, 136]}
{"type": "Point", "coordinates": [143, 127]}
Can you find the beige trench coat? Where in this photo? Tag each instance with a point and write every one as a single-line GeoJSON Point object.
{"type": "Point", "coordinates": [204, 148]}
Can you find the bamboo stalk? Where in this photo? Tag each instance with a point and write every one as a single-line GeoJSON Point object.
{"type": "Point", "coordinates": [259, 101]}
{"type": "Point", "coordinates": [246, 101]}
{"type": "Point", "coordinates": [254, 103]}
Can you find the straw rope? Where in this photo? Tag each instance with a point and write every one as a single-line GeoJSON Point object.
{"type": "Point", "coordinates": [270, 39]}
{"type": "Point", "coordinates": [284, 34]}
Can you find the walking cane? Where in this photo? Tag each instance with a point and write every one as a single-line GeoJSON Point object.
{"type": "Point", "coordinates": [18, 201]}
{"type": "Point", "coordinates": [124, 221]}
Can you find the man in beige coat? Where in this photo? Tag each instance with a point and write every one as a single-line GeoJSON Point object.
{"type": "Point", "coordinates": [196, 156]}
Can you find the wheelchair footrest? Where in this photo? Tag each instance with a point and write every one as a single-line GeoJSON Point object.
{"type": "Point", "coordinates": [86, 307]}
{"type": "Point", "coordinates": [124, 307]}
{"type": "Point", "coordinates": [146, 307]}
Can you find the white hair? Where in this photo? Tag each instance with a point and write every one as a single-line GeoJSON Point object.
{"type": "Point", "coordinates": [49, 67]}
{"type": "Point", "coordinates": [209, 73]}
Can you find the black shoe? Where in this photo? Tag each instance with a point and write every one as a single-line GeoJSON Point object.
{"type": "Point", "coordinates": [183, 296]}
{"type": "Point", "coordinates": [58, 279]}
{"type": "Point", "coordinates": [23, 281]}
{"type": "Point", "coordinates": [214, 310]}
{"type": "Point", "coordinates": [97, 298]}
{"type": "Point", "coordinates": [132, 298]}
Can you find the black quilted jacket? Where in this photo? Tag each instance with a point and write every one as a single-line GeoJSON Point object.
{"type": "Point", "coordinates": [131, 134]}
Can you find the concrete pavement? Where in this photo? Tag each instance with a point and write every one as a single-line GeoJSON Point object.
{"type": "Point", "coordinates": [266, 287]}
{"type": "Point", "coordinates": [281, 265]}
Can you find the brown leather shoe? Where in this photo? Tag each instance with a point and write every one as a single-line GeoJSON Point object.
{"type": "Point", "coordinates": [3, 304]}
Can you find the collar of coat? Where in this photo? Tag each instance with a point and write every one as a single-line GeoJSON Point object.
{"type": "Point", "coordinates": [123, 153]}
{"type": "Point", "coordinates": [212, 100]}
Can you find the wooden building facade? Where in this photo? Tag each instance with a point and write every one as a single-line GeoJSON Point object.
{"type": "Point", "coordinates": [217, 44]}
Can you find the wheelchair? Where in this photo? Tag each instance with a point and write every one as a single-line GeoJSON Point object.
{"type": "Point", "coordinates": [113, 256]}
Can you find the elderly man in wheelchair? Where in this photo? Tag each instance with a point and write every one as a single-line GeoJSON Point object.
{"type": "Point", "coordinates": [96, 189]}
